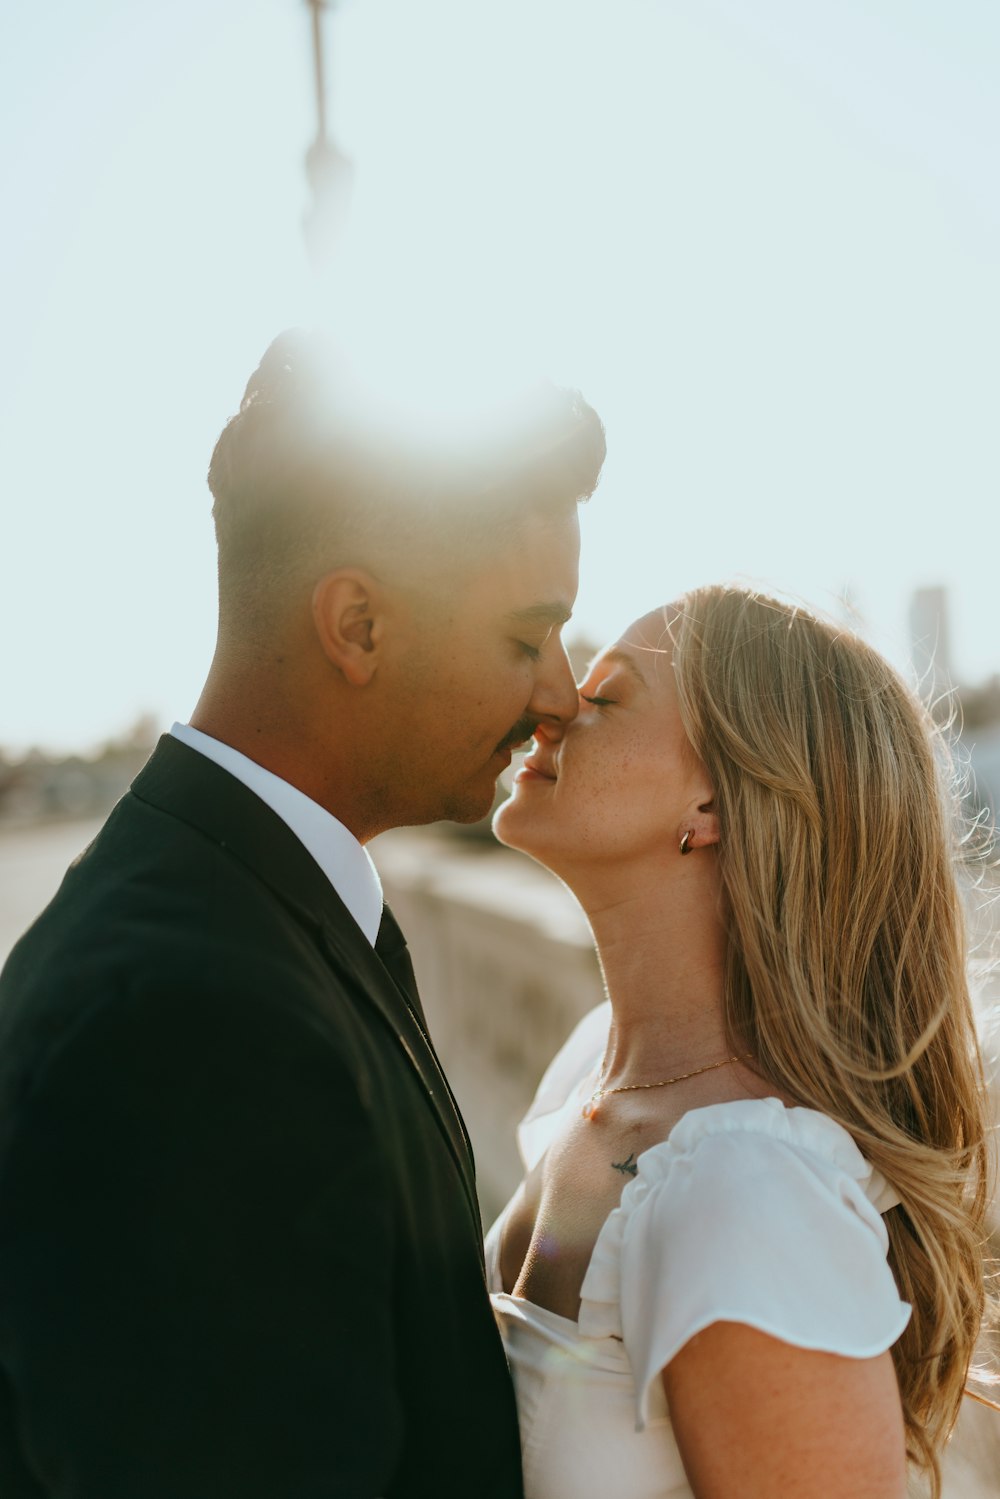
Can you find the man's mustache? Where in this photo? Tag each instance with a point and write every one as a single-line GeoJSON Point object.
{"type": "Point", "coordinates": [522, 730]}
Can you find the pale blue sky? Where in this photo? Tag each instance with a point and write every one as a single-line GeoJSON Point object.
{"type": "Point", "coordinates": [764, 239]}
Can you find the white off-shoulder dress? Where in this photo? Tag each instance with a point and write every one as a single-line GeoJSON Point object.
{"type": "Point", "coordinates": [748, 1212]}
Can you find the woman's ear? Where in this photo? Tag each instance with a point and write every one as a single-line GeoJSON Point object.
{"type": "Point", "coordinates": [700, 829]}
{"type": "Point", "coordinates": [348, 617]}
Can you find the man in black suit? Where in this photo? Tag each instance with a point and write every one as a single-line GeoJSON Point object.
{"type": "Point", "coordinates": [240, 1250]}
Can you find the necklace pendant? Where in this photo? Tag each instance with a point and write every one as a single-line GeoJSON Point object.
{"type": "Point", "coordinates": [589, 1110]}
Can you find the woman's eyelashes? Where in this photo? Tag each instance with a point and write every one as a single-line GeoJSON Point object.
{"type": "Point", "coordinates": [598, 702]}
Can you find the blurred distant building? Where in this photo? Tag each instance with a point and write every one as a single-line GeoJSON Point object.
{"type": "Point", "coordinates": [976, 710]}
{"type": "Point", "coordinates": [980, 731]}
{"type": "Point", "coordinates": [930, 644]}
{"type": "Point", "coordinates": [984, 757]}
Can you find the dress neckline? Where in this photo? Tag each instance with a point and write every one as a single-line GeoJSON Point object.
{"type": "Point", "coordinates": [545, 1312]}
{"type": "Point", "coordinates": [493, 1267]}
{"type": "Point", "coordinates": [785, 1120]}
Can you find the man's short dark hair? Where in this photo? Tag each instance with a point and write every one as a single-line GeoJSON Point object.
{"type": "Point", "coordinates": [306, 477]}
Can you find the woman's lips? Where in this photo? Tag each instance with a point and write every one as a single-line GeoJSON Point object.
{"type": "Point", "coordinates": [529, 772]}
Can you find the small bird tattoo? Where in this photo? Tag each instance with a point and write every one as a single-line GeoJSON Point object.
{"type": "Point", "coordinates": [627, 1168]}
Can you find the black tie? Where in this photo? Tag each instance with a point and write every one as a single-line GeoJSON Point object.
{"type": "Point", "coordinates": [390, 945]}
{"type": "Point", "coordinates": [391, 948]}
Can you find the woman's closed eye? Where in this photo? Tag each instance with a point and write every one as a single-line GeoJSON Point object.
{"type": "Point", "coordinates": [598, 702]}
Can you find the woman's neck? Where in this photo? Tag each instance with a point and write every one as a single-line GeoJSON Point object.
{"type": "Point", "coordinates": [661, 942]}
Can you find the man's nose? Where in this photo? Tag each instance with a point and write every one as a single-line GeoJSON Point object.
{"type": "Point", "coordinates": [555, 701]}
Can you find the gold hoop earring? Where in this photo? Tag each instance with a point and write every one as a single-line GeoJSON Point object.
{"type": "Point", "coordinates": [686, 842]}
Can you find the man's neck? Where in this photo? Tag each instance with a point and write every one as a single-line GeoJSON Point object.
{"type": "Point", "coordinates": [268, 728]}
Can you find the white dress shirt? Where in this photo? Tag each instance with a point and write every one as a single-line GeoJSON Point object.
{"type": "Point", "coordinates": [346, 864]}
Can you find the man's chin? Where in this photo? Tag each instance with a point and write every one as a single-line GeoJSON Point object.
{"type": "Point", "coordinates": [468, 810]}
{"type": "Point", "coordinates": [472, 804]}
{"type": "Point", "coordinates": [465, 808]}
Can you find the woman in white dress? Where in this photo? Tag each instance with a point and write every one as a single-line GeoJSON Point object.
{"type": "Point", "coordinates": [746, 1259]}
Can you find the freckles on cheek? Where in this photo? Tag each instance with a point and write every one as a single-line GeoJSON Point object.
{"type": "Point", "coordinates": [620, 774]}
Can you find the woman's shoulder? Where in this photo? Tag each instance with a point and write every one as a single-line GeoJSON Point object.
{"type": "Point", "coordinates": [757, 1167]}
{"type": "Point", "coordinates": [753, 1212]}
{"type": "Point", "coordinates": [782, 1140]}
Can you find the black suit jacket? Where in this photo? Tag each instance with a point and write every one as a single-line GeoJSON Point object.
{"type": "Point", "coordinates": [240, 1251]}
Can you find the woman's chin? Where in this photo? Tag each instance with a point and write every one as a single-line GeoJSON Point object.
{"type": "Point", "coordinates": [512, 825]}
{"type": "Point", "coordinates": [505, 825]}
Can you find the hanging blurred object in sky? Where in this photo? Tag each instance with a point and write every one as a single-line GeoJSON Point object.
{"type": "Point", "coordinates": [329, 172]}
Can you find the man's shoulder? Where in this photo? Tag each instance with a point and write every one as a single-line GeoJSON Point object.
{"type": "Point", "coordinates": [146, 882]}
{"type": "Point", "coordinates": [153, 907]}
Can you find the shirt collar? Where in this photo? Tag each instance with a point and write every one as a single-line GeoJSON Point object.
{"type": "Point", "coordinates": [347, 865]}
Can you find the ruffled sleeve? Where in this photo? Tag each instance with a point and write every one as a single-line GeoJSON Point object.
{"type": "Point", "coordinates": [752, 1213]}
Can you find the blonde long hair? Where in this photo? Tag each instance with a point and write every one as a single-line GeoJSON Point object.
{"type": "Point", "coordinates": [846, 969]}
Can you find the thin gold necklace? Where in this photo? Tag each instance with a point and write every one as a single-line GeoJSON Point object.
{"type": "Point", "coordinates": [589, 1110]}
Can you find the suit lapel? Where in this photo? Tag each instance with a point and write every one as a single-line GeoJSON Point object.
{"type": "Point", "coordinates": [361, 964]}
{"type": "Point", "coordinates": [192, 788]}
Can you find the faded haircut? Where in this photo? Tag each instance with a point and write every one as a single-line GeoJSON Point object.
{"type": "Point", "coordinates": [307, 477]}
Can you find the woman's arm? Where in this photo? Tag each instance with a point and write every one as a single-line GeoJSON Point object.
{"type": "Point", "coordinates": [759, 1418]}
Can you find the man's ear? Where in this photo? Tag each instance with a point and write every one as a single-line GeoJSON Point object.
{"type": "Point", "coordinates": [348, 615]}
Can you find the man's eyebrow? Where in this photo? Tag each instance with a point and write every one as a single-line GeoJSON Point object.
{"type": "Point", "coordinates": [549, 615]}
{"type": "Point", "coordinates": [619, 658]}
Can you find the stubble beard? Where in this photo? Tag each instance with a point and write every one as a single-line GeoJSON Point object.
{"type": "Point", "coordinates": [468, 805]}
